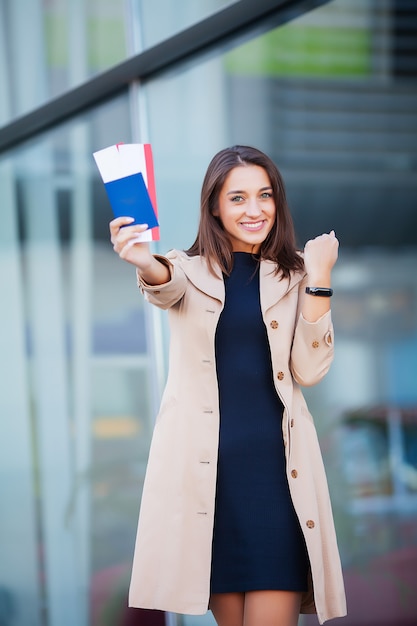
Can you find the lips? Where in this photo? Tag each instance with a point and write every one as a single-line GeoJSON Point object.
{"type": "Point", "coordinates": [253, 226]}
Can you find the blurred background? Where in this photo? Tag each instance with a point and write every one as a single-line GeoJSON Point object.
{"type": "Point", "coordinates": [329, 91]}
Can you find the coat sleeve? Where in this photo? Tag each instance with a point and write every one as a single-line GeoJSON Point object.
{"type": "Point", "coordinates": [166, 295]}
{"type": "Point", "coordinates": [312, 349]}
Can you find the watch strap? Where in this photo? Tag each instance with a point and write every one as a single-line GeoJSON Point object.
{"type": "Point", "coordinates": [324, 292]}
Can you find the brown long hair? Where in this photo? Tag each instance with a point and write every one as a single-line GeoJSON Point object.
{"type": "Point", "coordinates": [212, 240]}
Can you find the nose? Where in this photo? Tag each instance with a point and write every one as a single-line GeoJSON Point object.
{"type": "Point", "coordinates": [252, 208]}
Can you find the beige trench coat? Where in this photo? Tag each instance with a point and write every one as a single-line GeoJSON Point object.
{"type": "Point", "coordinates": [171, 568]}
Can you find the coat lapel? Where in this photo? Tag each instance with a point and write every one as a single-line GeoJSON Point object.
{"type": "Point", "coordinates": [198, 273]}
{"type": "Point", "coordinates": [273, 286]}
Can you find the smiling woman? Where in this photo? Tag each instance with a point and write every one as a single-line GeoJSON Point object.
{"type": "Point", "coordinates": [244, 483]}
{"type": "Point", "coordinates": [330, 94]}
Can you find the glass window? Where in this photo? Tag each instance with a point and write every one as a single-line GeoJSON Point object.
{"type": "Point", "coordinates": [409, 469]}
{"type": "Point", "coordinates": [75, 361]}
{"type": "Point", "coordinates": [365, 450]}
{"type": "Point", "coordinates": [63, 42]}
{"type": "Point", "coordinates": [156, 20]}
{"type": "Point", "coordinates": [66, 43]}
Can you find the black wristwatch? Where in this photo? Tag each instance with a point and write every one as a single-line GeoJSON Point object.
{"type": "Point", "coordinates": [319, 291]}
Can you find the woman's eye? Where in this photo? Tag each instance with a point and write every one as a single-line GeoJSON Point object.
{"type": "Point", "coordinates": [237, 198]}
{"type": "Point", "coordinates": [266, 194]}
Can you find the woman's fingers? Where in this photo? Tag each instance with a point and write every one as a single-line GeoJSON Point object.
{"type": "Point", "coordinates": [116, 224]}
{"type": "Point", "coordinates": [121, 221]}
{"type": "Point", "coordinates": [121, 233]}
{"type": "Point", "coordinates": [320, 253]}
{"type": "Point", "coordinates": [323, 239]}
{"type": "Point", "coordinates": [127, 243]}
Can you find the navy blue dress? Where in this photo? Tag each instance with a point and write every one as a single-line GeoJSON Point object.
{"type": "Point", "coordinates": [257, 542]}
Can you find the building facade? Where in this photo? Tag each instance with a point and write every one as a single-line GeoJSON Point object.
{"type": "Point", "coordinates": [329, 90]}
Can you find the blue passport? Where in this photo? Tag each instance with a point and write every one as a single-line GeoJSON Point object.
{"type": "Point", "coordinates": [129, 197]}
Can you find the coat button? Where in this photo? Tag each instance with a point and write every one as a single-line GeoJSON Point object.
{"type": "Point", "coordinates": [280, 375]}
{"type": "Point", "coordinates": [310, 523]}
{"type": "Point", "coordinates": [292, 422]}
{"type": "Point", "coordinates": [315, 344]}
{"type": "Point", "coordinates": [274, 324]}
{"type": "Point", "coordinates": [294, 473]}
{"type": "Point", "coordinates": [157, 291]}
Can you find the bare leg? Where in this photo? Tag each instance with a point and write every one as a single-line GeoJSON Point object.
{"type": "Point", "coordinates": [272, 608]}
{"type": "Point", "coordinates": [227, 608]}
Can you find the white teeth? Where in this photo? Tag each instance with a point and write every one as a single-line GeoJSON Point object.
{"type": "Point", "coordinates": [252, 225]}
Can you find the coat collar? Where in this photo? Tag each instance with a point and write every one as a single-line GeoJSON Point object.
{"type": "Point", "coordinates": [198, 273]}
{"type": "Point", "coordinates": [272, 286]}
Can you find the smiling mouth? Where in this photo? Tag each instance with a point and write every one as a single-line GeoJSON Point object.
{"type": "Point", "coordinates": [253, 226]}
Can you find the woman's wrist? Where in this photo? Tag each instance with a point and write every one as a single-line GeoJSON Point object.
{"type": "Point", "coordinates": [156, 272]}
{"type": "Point", "coordinates": [143, 268]}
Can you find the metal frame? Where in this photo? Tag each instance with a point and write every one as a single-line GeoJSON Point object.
{"type": "Point", "coordinates": [220, 29]}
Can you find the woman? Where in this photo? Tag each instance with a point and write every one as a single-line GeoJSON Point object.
{"type": "Point", "coordinates": [235, 512]}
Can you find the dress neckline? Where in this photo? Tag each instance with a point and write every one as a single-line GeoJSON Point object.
{"type": "Point", "coordinates": [245, 258]}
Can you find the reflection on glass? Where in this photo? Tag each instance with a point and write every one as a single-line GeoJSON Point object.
{"type": "Point", "coordinates": [409, 470]}
{"type": "Point", "coordinates": [63, 42]}
{"type": "Point", "coordinates": [160, 19]}
{"type": "Point", "coordinates": [78, 414]}
{"type": "Point", "coordinates": [379, 448]}
{"type": "Point", "coordinates": [366, 458]}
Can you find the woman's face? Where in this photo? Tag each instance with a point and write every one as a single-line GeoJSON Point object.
{"type": "Point", "coordinates": [246, 207]}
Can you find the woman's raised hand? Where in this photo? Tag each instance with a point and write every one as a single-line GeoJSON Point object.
{"type": "Point", "coordinates": [129, 248]}
{"type": "Point", "coordinates": [320, 255]}
{"type": "Point", "coordinates": [126, 244]}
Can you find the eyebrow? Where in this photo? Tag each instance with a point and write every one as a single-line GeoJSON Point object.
{"type": "Point", "coordinates": [242, 191]}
